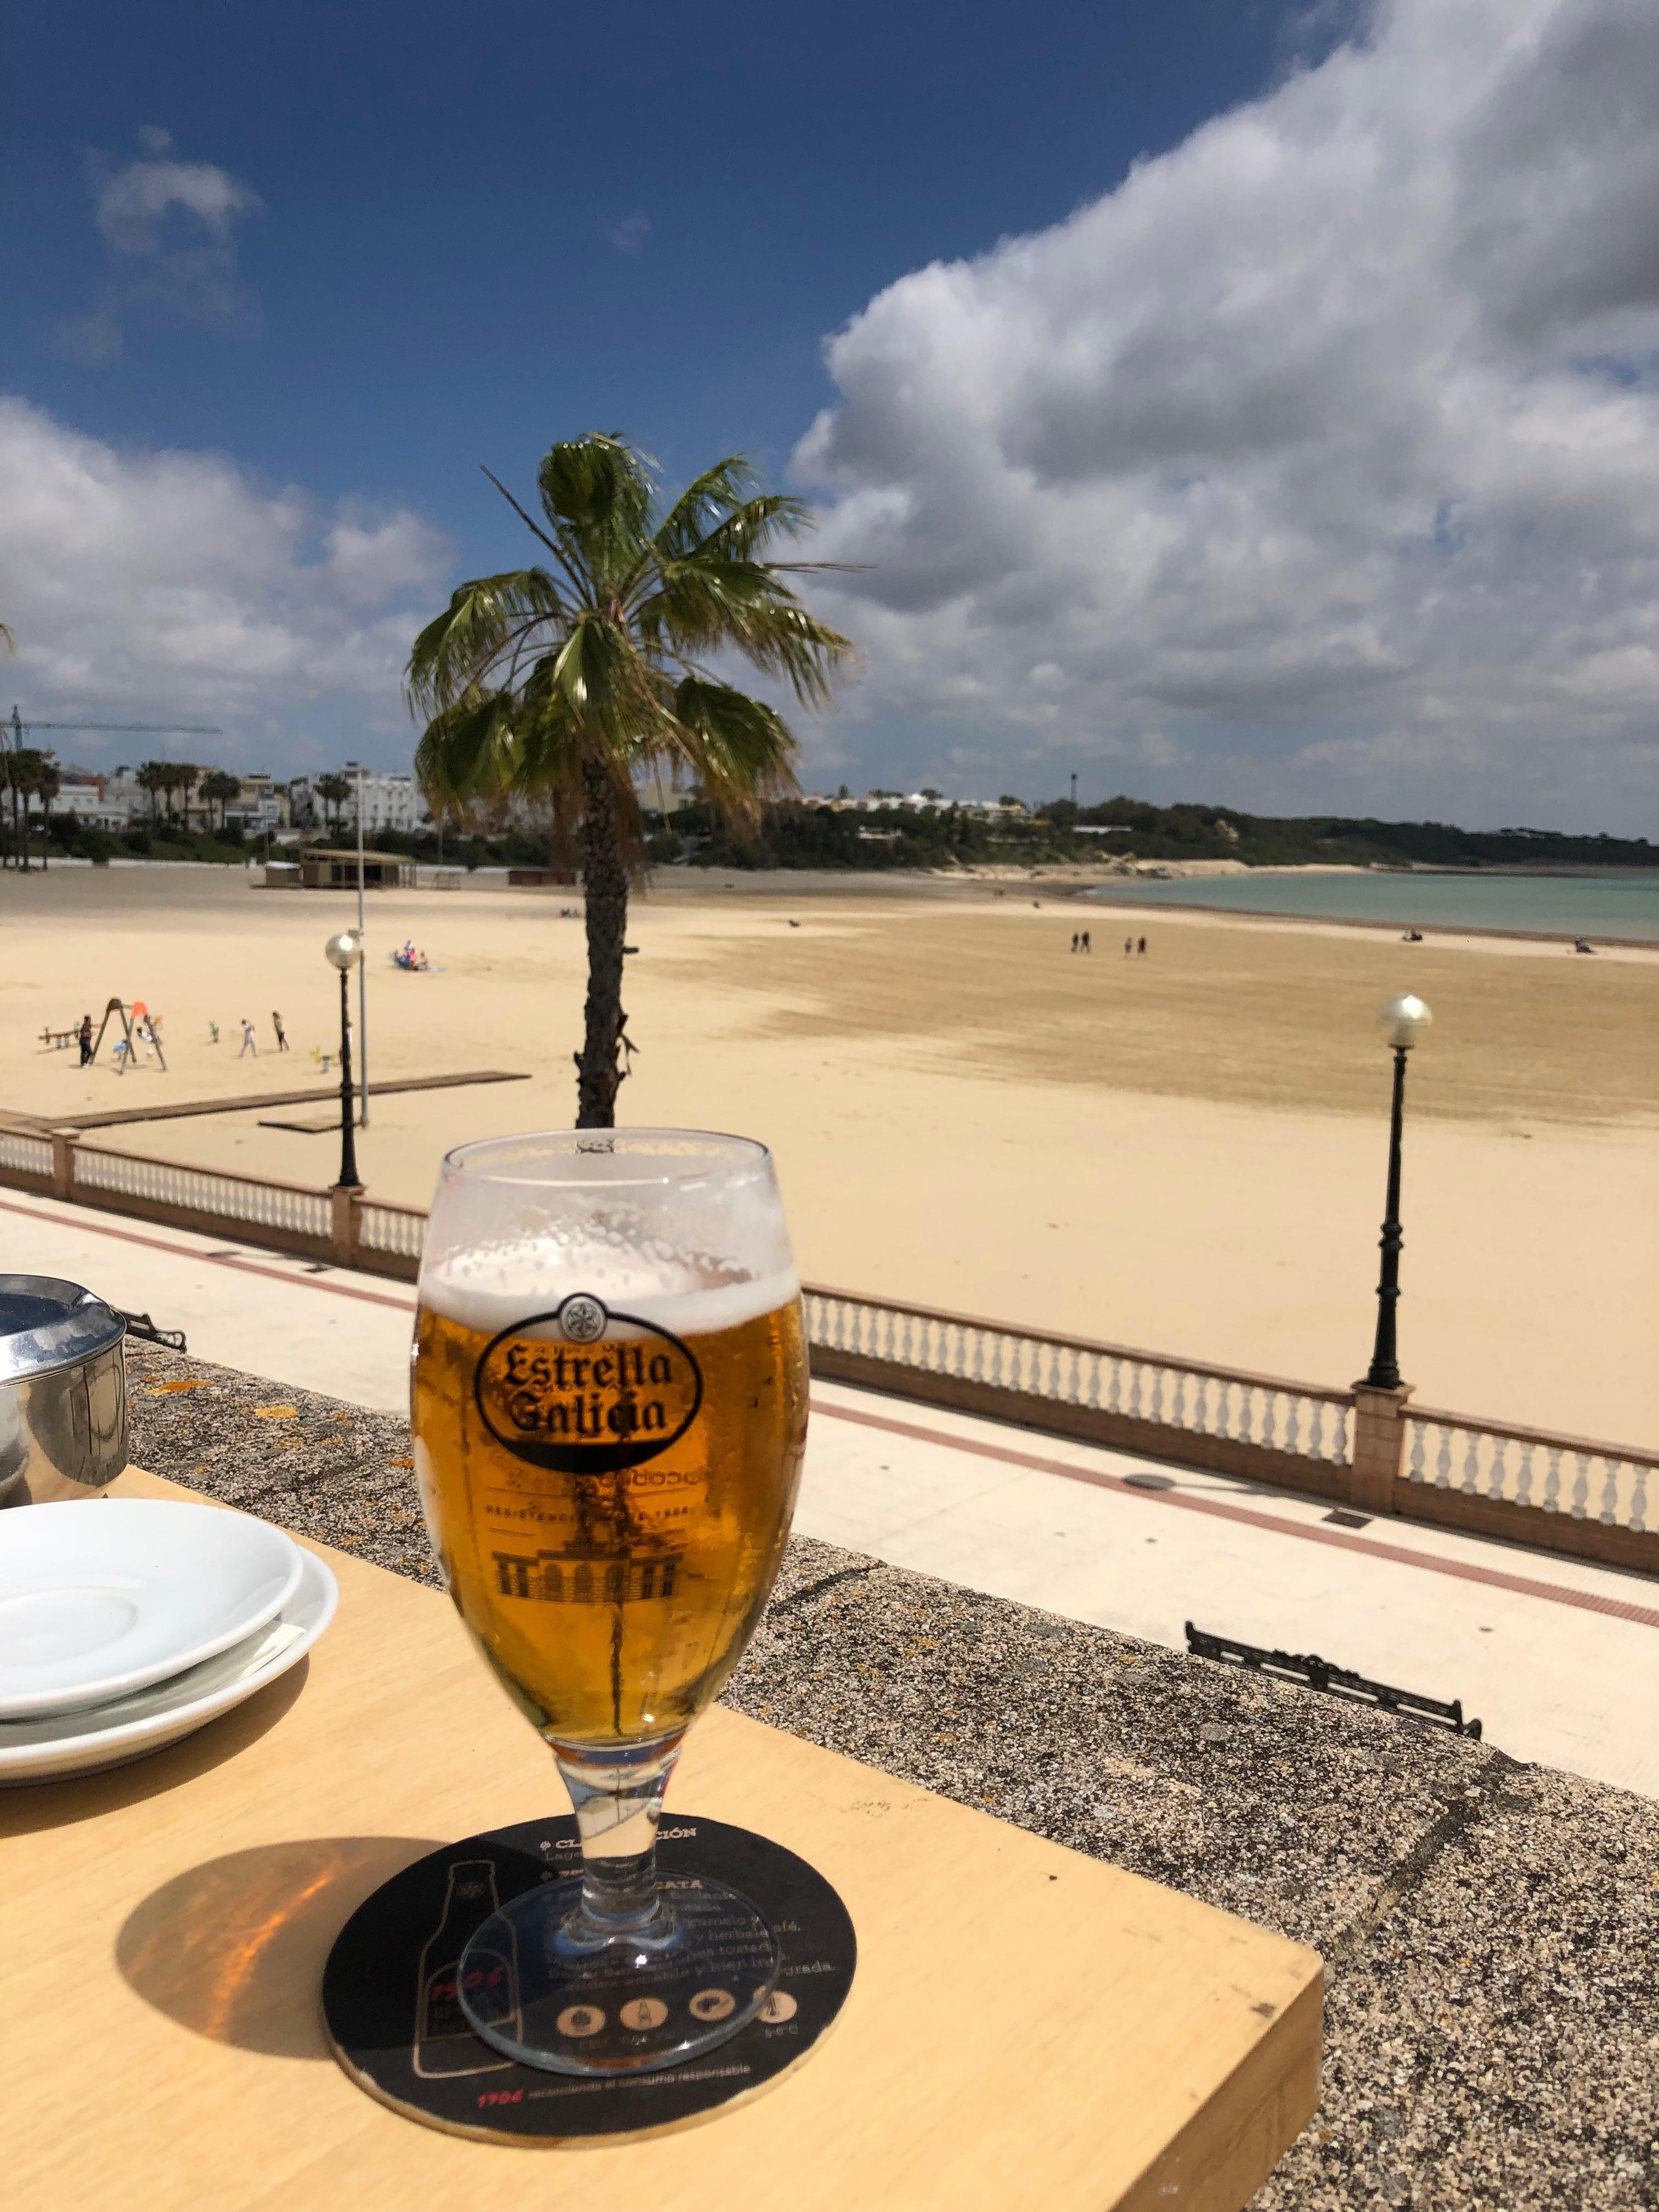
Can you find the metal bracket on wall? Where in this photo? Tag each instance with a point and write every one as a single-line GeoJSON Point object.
{"type": "Point", "coordinates": [1317, 1674]}
{"type": "Point", "coordinates": [171, 1339]}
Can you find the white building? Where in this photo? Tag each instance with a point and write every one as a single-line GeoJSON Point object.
{"type": "Point", "coordinates": [656, 795]}
{"type": "Point", "coordinates": [390, 802]}
{"type": "Point", "coordinates": [917, 802]}
{"type": "Point", "coordinates": [264, 805]}
{"type": "Point", "coordinates": [81, 794]}
{"type": "Point", "coordinates": [123, 801]}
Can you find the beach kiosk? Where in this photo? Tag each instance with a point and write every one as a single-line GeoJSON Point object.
{"type": "Point", "coordinates": [327, 868]}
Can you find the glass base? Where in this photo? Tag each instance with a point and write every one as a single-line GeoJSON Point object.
{"type": "Point", "coordinates": [552, 1988]}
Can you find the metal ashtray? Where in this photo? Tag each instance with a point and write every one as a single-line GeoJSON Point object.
{"type": "Point", "coordinates": [63, 1391]}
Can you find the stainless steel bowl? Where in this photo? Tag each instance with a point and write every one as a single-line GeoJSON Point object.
{"type": "Point", "coordinates": [63, 1391]}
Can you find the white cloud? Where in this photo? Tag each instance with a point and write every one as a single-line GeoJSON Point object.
{"type": "Point", "coordinates": [629, 235]}
{"type": "Point", "coordinates": [170, 229]}
{"type": "Point", "coordinates": [1326, 447]}
{"type": "Point", "coordinates": [169, 586]}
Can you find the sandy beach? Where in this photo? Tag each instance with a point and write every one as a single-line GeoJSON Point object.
{"type": "Point", "coordinates": [1183, 1152]}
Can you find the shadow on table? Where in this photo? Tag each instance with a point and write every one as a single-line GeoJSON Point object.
{"type": "Point", "coordinates": [235, 1948]}
{"type": "Point", "coordinates": [31, 1807]}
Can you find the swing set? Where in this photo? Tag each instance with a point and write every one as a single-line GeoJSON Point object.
{"type": "Point", "coordinates": [137, 1027]}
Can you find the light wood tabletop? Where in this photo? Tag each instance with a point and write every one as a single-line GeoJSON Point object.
{"type": "Point", "coordinates": [1028, 2027]}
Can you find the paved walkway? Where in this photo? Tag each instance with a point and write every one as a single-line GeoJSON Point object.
{"type": "Point", "coordinates": [1552, 1655]}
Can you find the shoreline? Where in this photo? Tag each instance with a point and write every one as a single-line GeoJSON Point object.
{"type": "Point", "coordinates": [1279, 914]}
{"type": "Point", "coordinates": [1071, 887]}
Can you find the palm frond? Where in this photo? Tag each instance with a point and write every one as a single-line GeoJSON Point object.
{"type": "Point", "coordinates": [574, 575]}
{"type": "Point", "coordinates": [485, 619]}
{"type": "Point", "coordinates": [704, 607]}
{"type": "Point", "coordinates": [466, 751]}
{"type": "Point", "coordinates": [741, 750]}
{"type": "Point", "coordinates": [707, 502]}
{"type": "Point", "coordinates": [596, 492]}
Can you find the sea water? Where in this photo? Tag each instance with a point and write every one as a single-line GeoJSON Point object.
{"type": "Point", "coordinates": [1602, 902]}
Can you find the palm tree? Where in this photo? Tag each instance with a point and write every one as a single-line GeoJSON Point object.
{"type": "Point", "coordinates": [153, 778]}
{"type": "Point", "coordinates": [45, 785]}
{"type": "Point", "coordinates": [333, 790]}
{"type": "Point", "coordinates": [217, 788]}
{"type": "Point", "coordinates": [19, 766]}
{"type": "Point", "coordinates": [182, 777]}
{"type": "Point", "coordinates": [566, 682]}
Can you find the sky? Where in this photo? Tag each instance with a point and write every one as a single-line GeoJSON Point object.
{"type": "Point", "coordinates": [1251, 402]}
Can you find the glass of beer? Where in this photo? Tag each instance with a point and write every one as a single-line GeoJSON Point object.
{"type": "Point", "coordinates": [608, 1406]}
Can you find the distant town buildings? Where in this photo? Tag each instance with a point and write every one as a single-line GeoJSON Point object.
{"type": "Point", "coordinates": [206, 797]}
{"type": "Point", "coordinates": [120, 801]}
{"type": "Point", "coordinates": [81, 794]}
{"type": "Point", "coordinates": [390, 802]}
{"type": "Point", "coordinates": [917, 802]}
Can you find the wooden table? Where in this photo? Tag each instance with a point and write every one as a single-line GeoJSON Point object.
{"type": "Point", "coordinates": [163, 1929]}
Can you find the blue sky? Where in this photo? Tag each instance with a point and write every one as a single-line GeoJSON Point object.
{"type": "Point", "coordinates": [378, 246]}
{"type": "Point", "coordinates": [484, 230]}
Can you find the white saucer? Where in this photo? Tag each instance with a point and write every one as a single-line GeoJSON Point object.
{"type": "Point", "coordinates": [99, 1596]}
{"type": "Point", "coordinates": [60, 1744]}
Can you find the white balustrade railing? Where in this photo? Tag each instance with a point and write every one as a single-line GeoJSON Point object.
{"type": "Point", "coordinates": [25, 1155]}
{"type": "Point", "coordinates": [1209, 1401]}
{"type": "Point", "coordinates": [231, 1198]}
{"type": "Point", "coordinates": [398, 1229]}
{"type": "Point", "coordinates": [1578, 1476]}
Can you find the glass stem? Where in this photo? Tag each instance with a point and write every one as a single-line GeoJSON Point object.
{"type": "Point", "coordinates": [618, 1797]}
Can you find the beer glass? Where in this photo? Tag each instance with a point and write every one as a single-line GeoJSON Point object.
{"type": "Point", "coordinates": [608, 1406]}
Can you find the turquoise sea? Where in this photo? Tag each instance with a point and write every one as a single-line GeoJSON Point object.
{"type": "Point", "coordinates": [1599, 903]}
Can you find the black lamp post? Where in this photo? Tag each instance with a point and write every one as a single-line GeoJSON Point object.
{"type": "Point", "coordinates": [345, 951]}
{"type": "Point", "coordinates": [1403, 1021]}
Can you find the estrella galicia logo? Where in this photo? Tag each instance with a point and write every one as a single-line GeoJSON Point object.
{"type": "Point", "coordinates": [583, 1402]}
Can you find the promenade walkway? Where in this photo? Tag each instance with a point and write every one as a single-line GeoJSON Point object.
{"type": "Point", "coordinates": [1551, 1654]}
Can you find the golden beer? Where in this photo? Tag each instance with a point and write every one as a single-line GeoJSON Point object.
{"type": "Point", "coordinates": [608, 1486]}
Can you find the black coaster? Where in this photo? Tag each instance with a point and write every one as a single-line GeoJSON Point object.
{"type": "Point", "coordinates": [390, 2007]}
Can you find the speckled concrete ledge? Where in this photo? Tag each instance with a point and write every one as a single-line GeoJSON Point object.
{"type": "Point", "coordinates": [1491, 1930]}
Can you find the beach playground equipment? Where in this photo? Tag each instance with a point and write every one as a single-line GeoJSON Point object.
{"type": "Point", "coordinates": [137, 1027]}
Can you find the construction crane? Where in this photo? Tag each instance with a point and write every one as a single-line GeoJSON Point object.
{"type": "Point", "coordinates": [16, 727]}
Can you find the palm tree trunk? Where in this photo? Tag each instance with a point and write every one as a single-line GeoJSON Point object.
{"type": "Point", "coordinates": [605, 883]}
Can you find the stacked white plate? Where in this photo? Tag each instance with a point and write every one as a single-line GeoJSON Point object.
{"type": "Point", "coordinates": [126, 1623]}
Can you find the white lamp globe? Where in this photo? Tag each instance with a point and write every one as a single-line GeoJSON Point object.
{"type": "Point", "coordinates": [1404, 1019]}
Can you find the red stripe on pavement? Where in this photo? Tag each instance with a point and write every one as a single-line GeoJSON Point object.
{"type": "Point", "coordinates": [217, 1259]}
{"type": "Point", "coordinates": [1429, 1562]}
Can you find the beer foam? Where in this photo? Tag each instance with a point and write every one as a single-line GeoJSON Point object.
{"type": "Point", "coordinates": [490, 1286]}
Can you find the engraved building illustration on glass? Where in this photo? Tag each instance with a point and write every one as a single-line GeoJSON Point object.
{"type": "Point", "coordinates": [585, 1575]}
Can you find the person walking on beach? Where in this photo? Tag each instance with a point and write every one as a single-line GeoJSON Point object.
{"type": "Point", "coordinates": [214, 1027]}
{"type": "Point", "coordinates": [248, 1043]}
{"type": "Point", "coordinates": [1074, 940]}
{"type": "Point", "coordinates": [1141, 947]}
{"type": "Point", "coordinates": [86, 1039]}
{"type": "Point", "coordinates": [1129, 946]}
{"type": "Point", "coordinates": [282, 1040]}
{"type": "Point", "coordinates": [1087, 945]}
